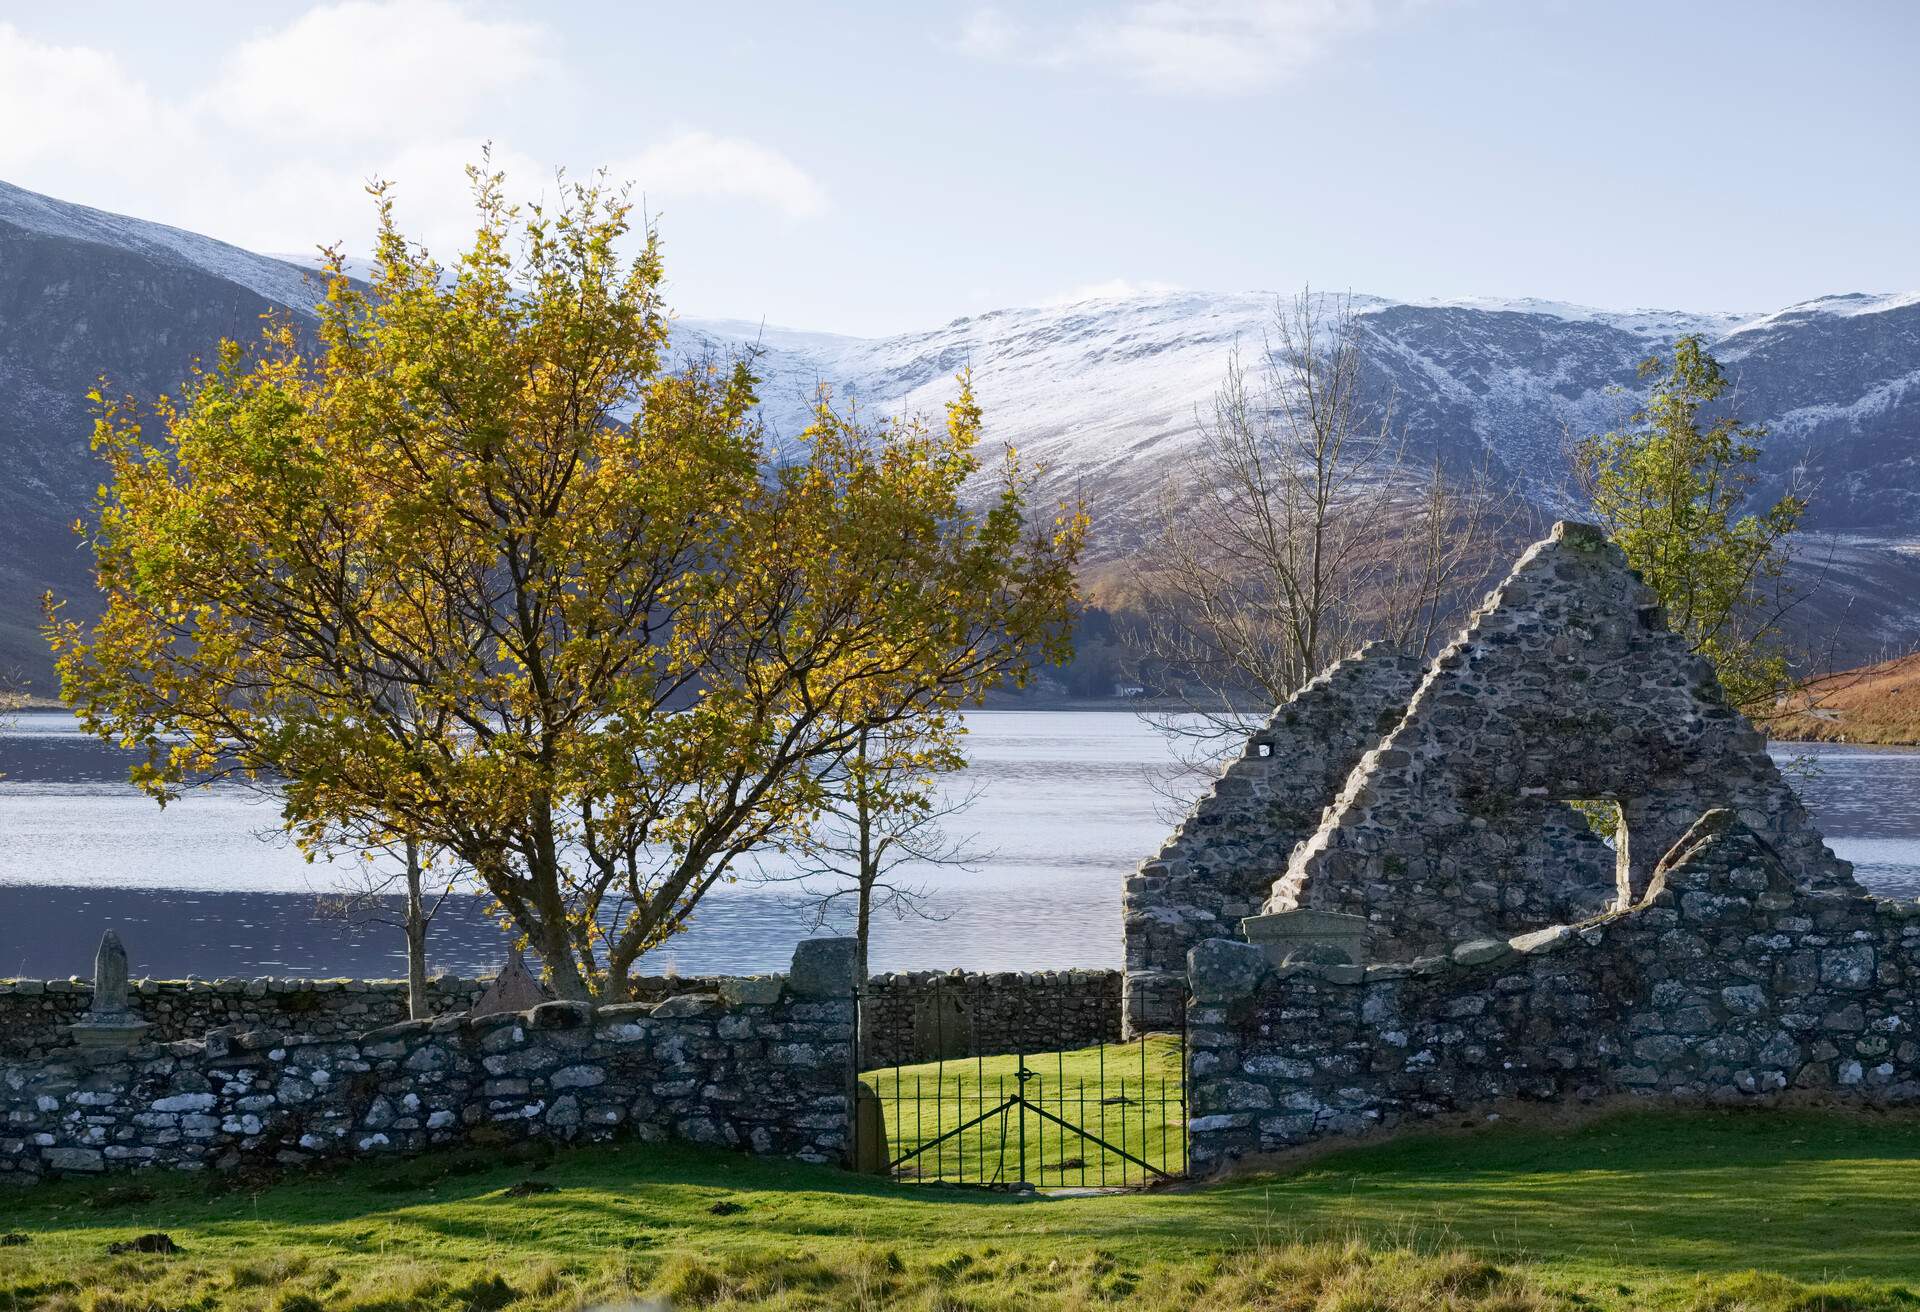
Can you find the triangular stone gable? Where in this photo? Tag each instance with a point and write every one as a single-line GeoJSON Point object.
{"type": "Point", "coordinates": [1566, 685]}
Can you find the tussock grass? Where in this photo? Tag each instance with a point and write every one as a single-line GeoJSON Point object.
{"type": "Point", "coordinates": [1702, 1212]}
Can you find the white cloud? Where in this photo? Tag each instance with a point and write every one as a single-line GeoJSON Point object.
{"type": "Point", "coordinates": [66, 102]}
{"type": "Point", "coordinates": [1217, 47]}
{"type": "Point", "coordinates": [1113, 289]}
{"type": "Point", "coordinates": [275, 153]}
{"type": "Point", "coordinates": [702, 164]}
{"type": "Point", "coordinates": [363, 68]}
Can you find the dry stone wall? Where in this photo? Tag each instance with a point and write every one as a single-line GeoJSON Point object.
{"type": "Point", "coordinates": [1729, 982]}
{"type": "Point", "coordinates": [36, 1015]}
{"type": "Point", "coordinates": [922, 1015]}
{"type": "Point", "coordinates": [763, 1064]}
{"type": "Point", "coordinates": [1566, 685]}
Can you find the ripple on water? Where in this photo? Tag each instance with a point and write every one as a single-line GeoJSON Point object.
{"type": "Point", "coordinates": [1067, 807]}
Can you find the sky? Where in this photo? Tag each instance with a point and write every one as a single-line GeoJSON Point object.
{"type": "Point", "coordinates": [871, 168]}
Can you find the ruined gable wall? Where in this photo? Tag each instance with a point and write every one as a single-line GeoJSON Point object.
{"type": "Point", "coordinates": [1566, 684]}
{"type": "Point", "coordinates": [1220, 863]}
{"type": "Point", "coordinates": [1727, 984]}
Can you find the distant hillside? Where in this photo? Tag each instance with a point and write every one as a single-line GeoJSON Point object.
{"type": "Point", "coordinates": [85, 293]}
{"type": "Point", "coordinates": [1102, 393]}
{"type": "Point", "coordinates": [1877, 704]}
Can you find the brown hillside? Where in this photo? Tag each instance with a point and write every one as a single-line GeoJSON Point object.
{"type": "Point", "coordinates": [1874, 704]}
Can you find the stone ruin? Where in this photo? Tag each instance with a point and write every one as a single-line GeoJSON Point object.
{"type": "Point", "coordinates": [1729, 982]}
{"type": "Point", "coordinates": [1567, 685]}
{"type": "Point", "coordinates": [1409, 832]}
{"type": "Point", "coordinates": [1432, 799]}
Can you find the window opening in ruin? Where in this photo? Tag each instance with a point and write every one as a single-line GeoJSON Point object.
{"type": "Point", "coordinates": [1602, 815]}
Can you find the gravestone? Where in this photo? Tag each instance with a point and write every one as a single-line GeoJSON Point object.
{"type": "Point", "coordinates": [514, 989]}
{"type": "Point", "coordinates": [942, 1026]}
{"type": "Point", "coordinates": [111, 1023]}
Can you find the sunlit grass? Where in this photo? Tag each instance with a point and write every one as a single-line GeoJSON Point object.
{"type": "Point", "coordinates": [1126, 1097]}
{"type": "Point", "coordinates": [1698, 1212]}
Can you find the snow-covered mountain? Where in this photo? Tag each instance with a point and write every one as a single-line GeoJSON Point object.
{"type": "Point", "coordinates": [1102, 393]}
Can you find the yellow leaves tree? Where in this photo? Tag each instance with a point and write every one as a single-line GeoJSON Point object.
{"type": "Point", "coordinates": [480, 571]}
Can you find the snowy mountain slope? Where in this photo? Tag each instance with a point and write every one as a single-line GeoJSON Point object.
{"type": "Point", "coordinates": [85, 294]}
{"type": "Point", "coordinates": [1102, 393]}
{"type": "Point", "coordinates": [275, 280]}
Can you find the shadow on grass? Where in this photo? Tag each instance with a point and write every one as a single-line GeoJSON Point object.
{"type": "Point", "coordinates": [1811, 1196]}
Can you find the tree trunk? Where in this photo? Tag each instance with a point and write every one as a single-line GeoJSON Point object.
{"type": "Point", "coordinates": [862, 1025]}
{"type": "Point", "coordinates": [418, 1007]}
{"type": "Point", "coordinates": [860, 932]}
{"type": "Point", "coordinates": [555, 944]}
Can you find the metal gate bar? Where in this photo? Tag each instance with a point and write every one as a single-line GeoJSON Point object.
{"type": "Point", "coordinates": [1120, 1124]}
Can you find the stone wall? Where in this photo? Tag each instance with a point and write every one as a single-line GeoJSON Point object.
{"type": "Point", "coordinates": [1566, 685]}
{"type": "Point", "coordinates": [907, 1018]}
{"type": "Point", "coordinates": [764, 1064]}
{"type": "Point", "coordinates": [35, 1015]}
{"type": "Point", "coordinates": [1729, 982]}
{"type": "Point", "coordinates": [1220, 864]}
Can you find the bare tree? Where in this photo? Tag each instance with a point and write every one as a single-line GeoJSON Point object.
{"type": "Point", "coordinates": [427, 883]}
{"type": "Point", "coordinates": [1304, 530]}
{"type": "Point", "coordinates": [884, 816]}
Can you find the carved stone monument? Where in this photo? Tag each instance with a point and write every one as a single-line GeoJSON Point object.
{"type": "Point", "coordinates": [111, 1023]}
{"type": "Point", "coordinates": [1305, 935]}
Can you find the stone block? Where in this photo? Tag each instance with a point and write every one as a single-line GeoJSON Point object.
{"type": "Point", "coordinates": [752, 990]}
{"type": "Point", "coordinates": [1221, 970]}
{"type": "Point", "coordinates": [1481, 952]}
{"type": "Point", "coordinates": [824, 968]}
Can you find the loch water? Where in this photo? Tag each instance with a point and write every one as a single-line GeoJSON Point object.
{"type": "Point", "coordinates": [1065, 805]}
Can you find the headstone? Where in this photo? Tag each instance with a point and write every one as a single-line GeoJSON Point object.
{"type": "Point", "coordinates": [870, 1147]}
{"type": "Point", "coordinates": [514, 989]}
{"type": "Point", "coordinates": [111, 1023]}
{"type": "Point", "coordinates": [1304, 935]}
{"type": "Point", "coordinates": [110, 977]}
{"type": "Point", "coordinates": [941, 1025]}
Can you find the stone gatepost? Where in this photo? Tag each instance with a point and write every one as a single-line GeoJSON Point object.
{"type": "Point", "coordinates": [111, 1024]}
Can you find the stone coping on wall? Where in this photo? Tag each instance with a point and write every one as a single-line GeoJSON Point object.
{"type": "Point", "coordinates": [35, 1014]}
{"type": "Point", "coordinates": [1727, 983]}
{"type": "Point", "coordinates": [908, 1016]}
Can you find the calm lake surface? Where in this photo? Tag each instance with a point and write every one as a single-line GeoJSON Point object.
{"type": "Point", "coordinates": [1066, 805]}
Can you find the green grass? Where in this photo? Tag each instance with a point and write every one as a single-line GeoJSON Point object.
{"type": "Point", "coordinates": [1703, 1212]}
{"type": "Point", "coordinates": [1126, 1096]}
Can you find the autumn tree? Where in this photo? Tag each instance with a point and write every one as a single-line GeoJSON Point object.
{"type": "Point", "coordinates": [482, 571]}
{"type": "Point", "coordinates": [1672, 486]}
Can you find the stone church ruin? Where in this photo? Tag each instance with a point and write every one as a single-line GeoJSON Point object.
{"type": "Point", "coordinates": [1364, 902]}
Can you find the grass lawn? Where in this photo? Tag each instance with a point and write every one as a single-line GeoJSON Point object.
{"type": "Point", "coordinates": [1716, 1212]}
{"type": "Point", "coordinates": [1125, 1094]}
